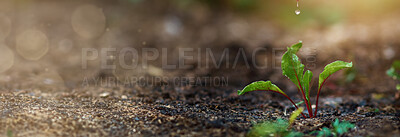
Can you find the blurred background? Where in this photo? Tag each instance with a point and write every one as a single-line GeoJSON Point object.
{"type": "Point", "coordinates": [41, 41]}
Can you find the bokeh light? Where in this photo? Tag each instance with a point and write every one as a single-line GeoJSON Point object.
{"type": "Point", "coordinates": [65, 45]}
{"type": "Point", "coordinates": [32, 44]}
{"type": "Point", "coordinates": [49, 78]}
{"type": "Point", "coordinates": [6, 58]}
{"type": "Point", "coordinates": [5, 27]}
{"type": "Point", "coordinates": [88, 21]}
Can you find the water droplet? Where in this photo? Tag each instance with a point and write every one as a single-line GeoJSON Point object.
{"type": "Point", "coordinates": [297, 12]}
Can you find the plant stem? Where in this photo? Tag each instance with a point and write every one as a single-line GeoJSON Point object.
{"type": "Point", "coordinates": [294, 104]}
{"type": "Point", "coordinates": [319, 90]}
{"type": "Point", "coordinates": [307, 104]}
{"type": "Point", "coordinates": [302, 92]}
{"type": "Point", "coordinates": [286, 97]}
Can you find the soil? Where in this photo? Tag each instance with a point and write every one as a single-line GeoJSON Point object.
{"type": "Point", "coordinates": [44, 98]}
{"type": "Point", "coordinates": [188, 111]}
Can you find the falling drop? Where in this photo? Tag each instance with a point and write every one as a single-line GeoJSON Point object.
{"type": "Point", "coordinates": [297, 11]}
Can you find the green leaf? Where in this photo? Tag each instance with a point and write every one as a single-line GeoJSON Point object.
{"type": "Point", "coordinates": [291, 65]}
{"type": "Point", "coordinates": [338, 128]}
{"type": "Point", "coordinates": [294, 115]}
{"type": "Point", "coordinates": [281, 125]}
{"type": "Point", "coordinates": [299, 103]}
{"type": "Point", "coordinates": [268, 128]}
{"type": "Point", "coordinates": [342, 127]}
{"type": "Point", "coordinates": [396, 64]}
{"type": "Point", "coordinates": [332, 68]}
{"type": "Point", "coordinates": [336, 123]}
{"type": "Point", "coordinates": [398, 87]}
{"type": "Point", "coordinates": [392, 71]}
{"type": "Point", "coordinates": [261, 86]}
{"type": "Point", "coordinates": [9, 133]}
{"type": "Point", "coordinates": [306, 83]}
{"type": "Point", "coordinates": [296, 47]}
{"type": "Point", "coordinates": [294, 134]}
{"type": "Point", "coordinates": [325, 132]}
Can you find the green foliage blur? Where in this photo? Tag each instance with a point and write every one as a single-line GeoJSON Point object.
{"type": "Point", "coordinates": [280, 127]}
{"type": "Point", "coordinates": [338, 129]}
{"type": "Point", "coordinates": [394, 72]}
{"type": "Point", "coordinates": [273, 128]}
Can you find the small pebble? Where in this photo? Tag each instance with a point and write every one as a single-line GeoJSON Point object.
{"type": "Point", "coordinates": [104, 95]}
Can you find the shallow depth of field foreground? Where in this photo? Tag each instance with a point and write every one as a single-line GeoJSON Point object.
{"type": "Point", "coordinates": [199, 68]}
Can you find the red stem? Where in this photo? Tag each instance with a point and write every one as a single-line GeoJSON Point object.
{"type": "Point", "coordinates": [287, 98]}
{"type": "Point", "coordinates": [294, 104]}
{"type": "Point", "coordinates": [307, 104]}
{"type": "Point", "coordinates": [302, 92]}
{"type": "Point", "coordinates": [319, 90]}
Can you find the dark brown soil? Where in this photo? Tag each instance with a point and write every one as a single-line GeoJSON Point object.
{"type": "Point", "coordinates": [188, 111]}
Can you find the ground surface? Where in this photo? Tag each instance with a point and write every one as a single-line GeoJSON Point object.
{"type": "Point", "coordinates": [31, 106]}
{"type": "Point", "coordinates": [187, 111]}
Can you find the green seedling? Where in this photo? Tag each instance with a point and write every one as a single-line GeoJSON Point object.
{"type": "Point", "coordinates": [280, 127]}
{"type": "Point", "coordinates": [294, 70]}
{"type": "Point", "coordinates": [338, 129]}
{"type": "Point", "coordinates": [394, 72]}
{"type": "Point", "coordinates": [9, 133]}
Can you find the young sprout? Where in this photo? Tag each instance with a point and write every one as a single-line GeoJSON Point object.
{"type": "Point", "coordinates": [293, 69]}
{"type": "Point", "coordinates": [338, 129]}
{"type": "Point", "coordinates": [394, 72]}
{"type": "Point", "coordinates": [278, 128]}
